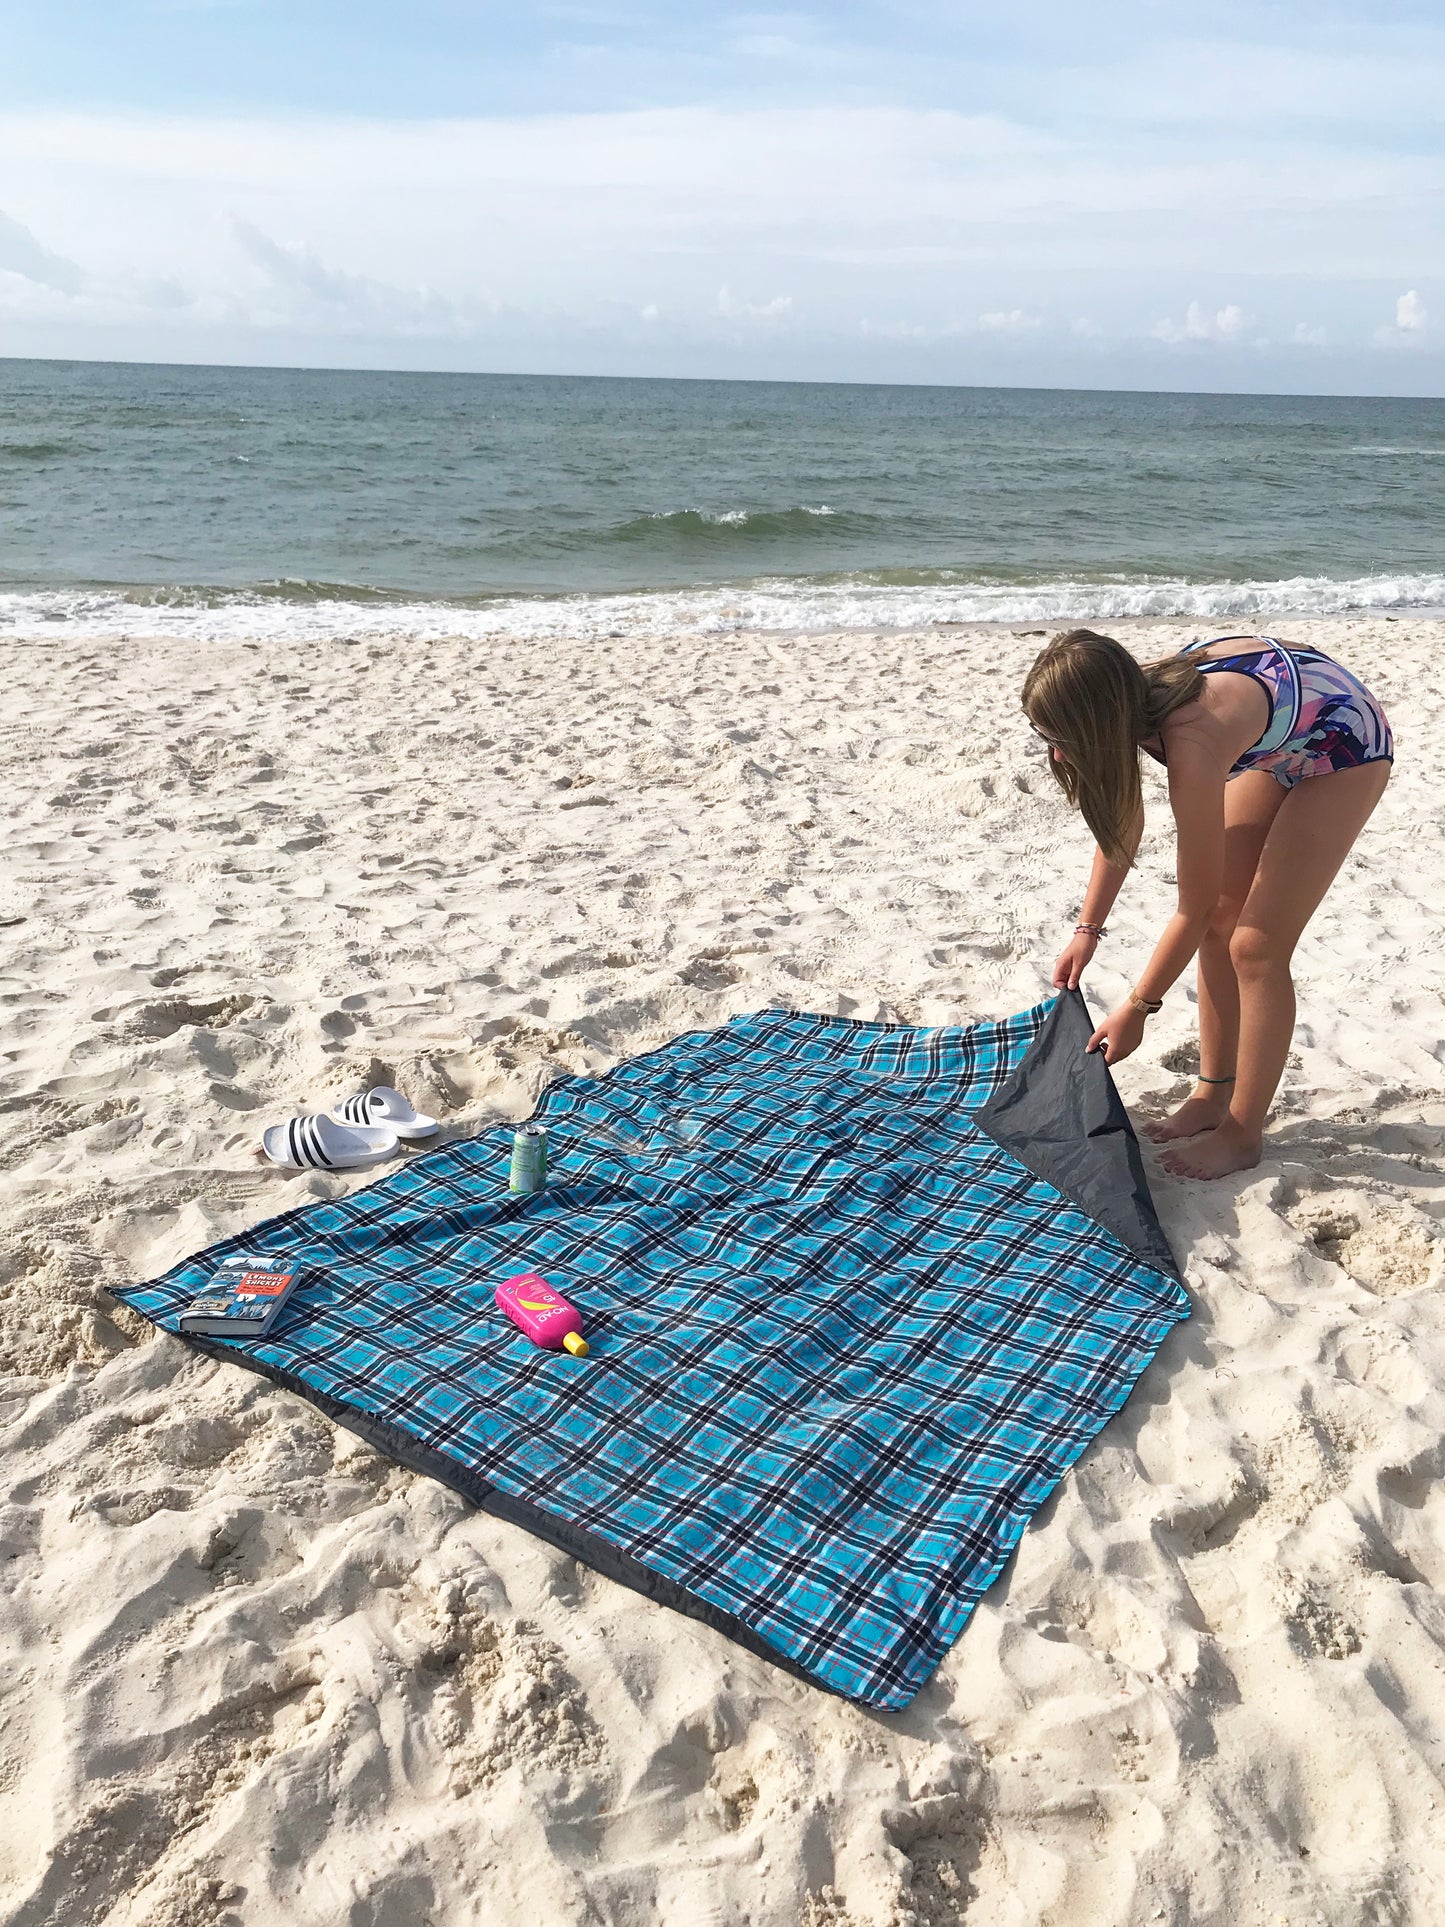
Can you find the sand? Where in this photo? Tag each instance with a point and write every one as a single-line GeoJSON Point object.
{"type": "Point", "coordinates": [255, 1673]}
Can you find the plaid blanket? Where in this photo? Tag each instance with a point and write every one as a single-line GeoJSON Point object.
{"type": "Point", "coordinates": [857, 1296]}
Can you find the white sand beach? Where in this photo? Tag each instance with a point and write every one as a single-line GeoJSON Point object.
{"type": "Point", "coordinates": [254, 1673]}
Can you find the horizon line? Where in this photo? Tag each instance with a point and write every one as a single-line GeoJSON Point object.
{"type": "Point", "coordinates": [737, 381]}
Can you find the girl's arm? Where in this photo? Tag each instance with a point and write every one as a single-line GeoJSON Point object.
{"type": "Point", "coordinates": [1196, 794]}
{"type": "Point", "coordinates": [1106, 880]}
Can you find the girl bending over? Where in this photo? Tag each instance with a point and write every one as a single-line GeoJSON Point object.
{"type": "Point", "coordinates": [1276, 756]}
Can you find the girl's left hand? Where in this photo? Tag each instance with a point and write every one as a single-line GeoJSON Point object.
{"type": "Point", "coordinates": [1120, 1034]}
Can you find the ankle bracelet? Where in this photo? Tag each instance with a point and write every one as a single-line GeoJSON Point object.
{"type": "Point", "coordinates": [1214, 1080]}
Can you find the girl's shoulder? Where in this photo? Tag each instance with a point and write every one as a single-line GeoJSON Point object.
{"type": "Point", "coordinates": [1221, 648]}
{"type": "Point", "coordinates": [1228, 717]}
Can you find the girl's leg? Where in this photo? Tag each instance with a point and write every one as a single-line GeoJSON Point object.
{"type": "Point", "coordinates": [1251, 803]}
{"type": "Point", "coordinates": [1311, 836]}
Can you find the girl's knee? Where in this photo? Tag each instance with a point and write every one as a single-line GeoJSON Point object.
{"type": "Point", "coordinates": [1255, 952]}
{"type": "Point", "coordinates": [1222, 923]}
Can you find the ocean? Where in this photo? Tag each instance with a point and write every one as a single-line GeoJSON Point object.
{"type": "Point", "coordinates": [276, 502]}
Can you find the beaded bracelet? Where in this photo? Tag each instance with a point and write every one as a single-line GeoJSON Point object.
{"type": "Point", "coordinates": [1094, 930]}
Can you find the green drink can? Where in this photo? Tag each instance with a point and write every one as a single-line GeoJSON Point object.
{"type": "Point", "coordinates": [529, 1159]}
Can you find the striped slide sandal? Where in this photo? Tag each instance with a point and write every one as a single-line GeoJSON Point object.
{"type": "Point", "coordinates": [385, 1106]}
{"type": "Point", "coordinates": [324, 1144]}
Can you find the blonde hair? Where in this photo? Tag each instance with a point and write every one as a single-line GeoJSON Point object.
{"type": "Point", "coordinates": [1086, 694]}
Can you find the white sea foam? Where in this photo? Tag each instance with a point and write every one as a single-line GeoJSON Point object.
{"type": "Point", "coordinates": [736, 518]}
{"type": "Point", "coordinates": [779, 605]}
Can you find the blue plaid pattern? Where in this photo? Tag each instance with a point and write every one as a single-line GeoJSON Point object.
{"type": "Point", "coordinates": [843, 1344]}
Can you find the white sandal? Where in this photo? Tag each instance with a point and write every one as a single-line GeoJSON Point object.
{"type": "Point", "coordinates": [385, 1106]}
{"type": "Point", "coordinates": [322, 1144]}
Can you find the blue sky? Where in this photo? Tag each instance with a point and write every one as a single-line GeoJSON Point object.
{"type": "Point", "coordinates": [1249, 199]}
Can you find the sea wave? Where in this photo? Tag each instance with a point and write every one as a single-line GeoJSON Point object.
{"type": "Point", "coordinates": [300, 610]}
{"type": "Point", "coordinates": [730, 540]}
{"type": "Point", "coordinates": [707, 523]}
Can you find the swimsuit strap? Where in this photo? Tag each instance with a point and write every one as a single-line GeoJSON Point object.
{"type": "Point", "coordinates": [1213, 642]}
{"type": "Point", "coordinates": [1282, 716]}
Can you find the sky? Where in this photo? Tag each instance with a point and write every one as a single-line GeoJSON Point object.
{"type": "Point", "coordinates": [1234, 198]}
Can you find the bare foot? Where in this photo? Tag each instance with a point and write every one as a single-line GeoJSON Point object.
{"type": "Point", "coordinates": [1224, 1149]}
{"type": "Point", "coordinates": [1194, 1115]}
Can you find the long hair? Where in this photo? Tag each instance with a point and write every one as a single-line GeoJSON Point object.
{"type": "Point", "coordinates": [1086, 694]}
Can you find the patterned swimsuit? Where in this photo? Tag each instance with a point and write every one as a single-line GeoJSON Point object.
{"type": "Point", "coordinates": [1320, 717]}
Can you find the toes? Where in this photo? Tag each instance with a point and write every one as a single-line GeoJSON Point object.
{"type": "Point", "coordinates": [1212, 1157]}
{"type": "Point", "coordinates": [1188, 1121]}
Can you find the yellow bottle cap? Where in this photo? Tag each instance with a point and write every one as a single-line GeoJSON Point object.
{"type": "Point", "coordinates": [575, 1343]}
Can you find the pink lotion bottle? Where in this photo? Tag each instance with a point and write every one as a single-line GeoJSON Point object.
{"type": "Point", "coordinates": [543, 1314]}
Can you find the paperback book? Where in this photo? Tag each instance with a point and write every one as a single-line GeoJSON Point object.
{"type": "Point", "coordinates": [243, 1299]}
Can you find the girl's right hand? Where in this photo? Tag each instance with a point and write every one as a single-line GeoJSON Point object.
{"type": "Point", "coordinates": [1074, 959]}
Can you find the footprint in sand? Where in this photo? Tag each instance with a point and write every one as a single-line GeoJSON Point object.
{"type": "Point", "coordinates": [165, 1018]}
{"type": "Point", "coordinates": [944, 1841]}
{"type": "Point", "coordinates": [504, 1699]}
{"type": "Point", "coordinates": [1389, 1247]}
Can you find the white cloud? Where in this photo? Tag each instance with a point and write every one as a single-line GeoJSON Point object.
{"type": "Point", "coordinates": [40, 285]}
{"type": "Point", "coordinates": [874, 242]}
{"type": "Point", "coordinates": [303, 280]}
{"type": "Point", "coordinates": [1411, 324]}
{"type": "Point", "coordinates": [1305, 335]}
{"type": "Point", "coordinates": [735, 310]}
{"type": "Point", "coordinates": [1410, 316]}
{"type": "Point", "coordinates": [1225, 324]}
{"type": "Point", "coordinates": [22, 254]}
{"type": "Point", "coordinates": [299, 269]}
{"type": "Point", "coordinates": [1009, 321]}
{"type": "Point", "coordinates": [863, 186]}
